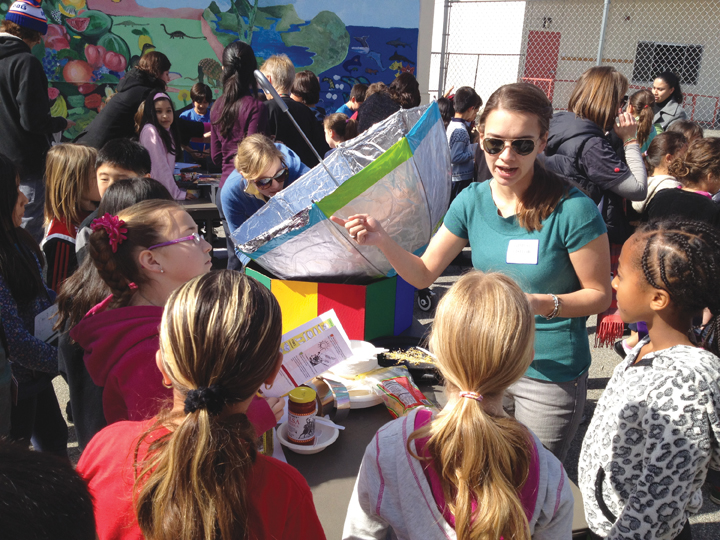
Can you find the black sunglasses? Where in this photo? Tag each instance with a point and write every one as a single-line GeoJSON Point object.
{"type": "Point", "coordinates": [281, 176]}
{"type": "Point", "coordinates": [624, 100]}
{"type": "Point", "coordinates": [522, 147]}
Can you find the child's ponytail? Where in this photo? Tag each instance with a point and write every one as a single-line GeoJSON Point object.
{"type": "Point", "coordinates": [344, 127]}
{"type": "Point", "coordinates": [192, 484]}
{"type": "Point", "coordinates": [481, 457]}
{"type": "Point", "coordinates": [642, 102]}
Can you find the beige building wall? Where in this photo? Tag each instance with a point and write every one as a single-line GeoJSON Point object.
{"type": "Point", "coordinates": [680, 22]}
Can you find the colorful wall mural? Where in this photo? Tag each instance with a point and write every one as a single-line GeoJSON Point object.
{"type": "Point", "coordinates": [90, 44]}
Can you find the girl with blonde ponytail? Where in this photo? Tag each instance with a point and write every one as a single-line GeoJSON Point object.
{"type": "Point", "coordinates": [193, 473]}
{"type": "Point", "coordinates": [471, 472]}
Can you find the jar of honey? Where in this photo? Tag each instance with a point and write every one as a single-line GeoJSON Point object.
{"type": "Point", "coordinates": [301, 416]}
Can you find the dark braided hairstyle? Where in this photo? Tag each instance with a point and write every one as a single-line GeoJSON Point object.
{"type": "Point", "coordinates": [146, 224]}
{"type": "Point", "coordinates": [683, 259]}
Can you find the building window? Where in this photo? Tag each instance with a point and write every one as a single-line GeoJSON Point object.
{"type": "Point", "coordinates": [652, 58]}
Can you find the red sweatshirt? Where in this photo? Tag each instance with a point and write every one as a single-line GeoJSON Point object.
{"type": "Point", "coordinates": [281, 504]}
{"type": "Point", "coordinates": [120, 346]}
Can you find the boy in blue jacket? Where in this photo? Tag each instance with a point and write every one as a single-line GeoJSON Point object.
{"type": "Point", "coordinates": [462, 152]}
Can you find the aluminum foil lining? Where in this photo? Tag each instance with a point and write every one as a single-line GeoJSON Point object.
{"type": "Point", "coordinates": [292, 239]}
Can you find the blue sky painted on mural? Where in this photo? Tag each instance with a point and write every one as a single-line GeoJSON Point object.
{"type": "Point", "coordinates": [378, 13]}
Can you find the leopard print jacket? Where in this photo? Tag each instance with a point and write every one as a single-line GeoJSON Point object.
{"type": "Point", "coordinates": [647, 450]}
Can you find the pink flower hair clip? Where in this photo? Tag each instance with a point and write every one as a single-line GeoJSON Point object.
{"type": "Point", "coordinates": [113, 227]}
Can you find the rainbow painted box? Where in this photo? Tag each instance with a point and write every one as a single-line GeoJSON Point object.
{"type": "Point", "coordinates": [380, 309]}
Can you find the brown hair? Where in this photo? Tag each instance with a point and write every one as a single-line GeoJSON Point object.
{"type": "Point", "coordinates": [192, 485]}
{"type": "Point", "coordinates": [701, 159]}
{"type": "Point", "coordinates": [690, 129]}
{"type": "Point", "coordinates": [281, 70]}
{"type": "Point", "coordinates": [597, 95]}
{"type": "Point", "coordinates": [546, 189]}
{"type": "Point", "coordinates": [255, 154]}
{"type": "Point", "coordinates": [662, 145]}
{"type": "Point", "coordinates": [358, 92]}
{"type": "Point", "coordinates": [154, 63]}
{"type": "Point", "coordinates": [345, 128]}
{"type": "Point", "coordinates": [642, 102]}
{"type": "Point", "coordinates": [405, 90]}
{"type": "Point", "coordinates": [33, 36]}
{"type": "Point", "coordinates": [69, 171]}
{"type": "Point", "coordinates": [481, 457]}
{"type": "Point", "coordinates": [374, 88]}
{"type": "Point", "coordinates": [145, 223]}
{"type": "Point", "coordinates": [306, 86]}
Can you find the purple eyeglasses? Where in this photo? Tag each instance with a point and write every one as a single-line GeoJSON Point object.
{"type": "Point", "coordinates": [195, 237]}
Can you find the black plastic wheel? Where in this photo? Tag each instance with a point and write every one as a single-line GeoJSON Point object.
{"type": "Point", "coordinates": [425, 300]}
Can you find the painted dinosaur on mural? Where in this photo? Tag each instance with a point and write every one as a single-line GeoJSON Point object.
{"type": "Point", "coordinates": [90, 45]}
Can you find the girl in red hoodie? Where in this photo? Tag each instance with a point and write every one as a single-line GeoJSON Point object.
{"type": "Point", "coordinates": [143, 255]}
{"type": "Point", "coordinates": [194, 472]}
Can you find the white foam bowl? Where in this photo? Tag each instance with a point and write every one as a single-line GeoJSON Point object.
{"type": "Point", "coordinates": [324, 437]}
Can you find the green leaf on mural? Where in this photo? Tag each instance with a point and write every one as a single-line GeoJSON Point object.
{"type": "Point", "coordinates": [326, 36]}
{"type": "Point", "coordinates": [69, 54]}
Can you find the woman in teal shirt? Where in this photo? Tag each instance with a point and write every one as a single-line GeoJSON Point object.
{"type": "Point", "coordinates": [529, 225]}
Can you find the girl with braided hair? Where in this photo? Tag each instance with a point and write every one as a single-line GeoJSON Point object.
{"type": "Point", "coordinates": [235, 115]}
{"type": "Point", "coordinates": [143, 254]}
{"type": "Point", "coordinates": [193, 472]}
{"type": "Point", "coordinates": [656, 428]}
{"type": "Point", "coordinates": [699, 173]}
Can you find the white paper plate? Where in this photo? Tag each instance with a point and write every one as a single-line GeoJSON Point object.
{"type": "Point", "coordinates": [324, 437]}
{"type": "Point", "coordinates": [359, 399]}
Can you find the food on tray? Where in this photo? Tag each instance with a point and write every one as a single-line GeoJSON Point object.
{"type": "Point", "coordinates": [414, 356]}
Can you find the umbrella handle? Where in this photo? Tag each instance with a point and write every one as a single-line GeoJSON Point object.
{"type": "Point", "coordinates": [269, 89]}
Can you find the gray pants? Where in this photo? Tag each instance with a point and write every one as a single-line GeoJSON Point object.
{"type": "Point", "coordinates": [553, 411]}
{"type": "Point", "coordinates": [33, 186]}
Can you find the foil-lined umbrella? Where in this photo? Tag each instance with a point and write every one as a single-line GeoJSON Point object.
{"type": "Point", "coordinates": [398, 171]}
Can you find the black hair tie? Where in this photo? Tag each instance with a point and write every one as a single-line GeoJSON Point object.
{"type": "Point", "coordinates": [210, 397]}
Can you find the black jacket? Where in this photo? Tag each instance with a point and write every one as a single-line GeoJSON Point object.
{"type": "Point", "coordinates": [580, 152]}
{"type": "Point", "coordinates": [283, 130]}
{"type": "Point", "coordinates": [117, 119]}
{"type": "Point", "coordinates": [24, 107]}
{"type": "Point", "coordinates": [375, 109]}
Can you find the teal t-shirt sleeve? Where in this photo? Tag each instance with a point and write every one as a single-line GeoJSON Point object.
{"type": "Point", "coordinates": [456, 218]}
{"type": "Point", "coordinates": [583, 223]}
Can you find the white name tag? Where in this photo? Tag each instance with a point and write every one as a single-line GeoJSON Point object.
{"type": "Point", "coordinates": [44, 324]}
{"type": "Point", "coordinates": [522, 252]}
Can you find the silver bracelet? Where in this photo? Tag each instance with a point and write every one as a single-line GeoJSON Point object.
{"type": "Point", "coordinates": [555, 310]}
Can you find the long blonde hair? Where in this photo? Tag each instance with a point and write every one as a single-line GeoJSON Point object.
{"type": "Point", "coordinates": [480, 457]}
{"type": "Point", "coordinates": [219, 331]}
{"type": "Point", "coordinates": [69, 169]}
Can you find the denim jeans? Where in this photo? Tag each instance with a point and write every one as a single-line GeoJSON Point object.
{"type": "Point", "coordinates": [552, 411]}
{"type": "Point", "coordinates": [33, 186]}
{"type": "Point", "coordinates": [233, 263]}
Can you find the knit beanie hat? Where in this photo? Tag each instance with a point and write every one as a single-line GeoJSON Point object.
{"type": "Point", "coordinates": [28, 14]}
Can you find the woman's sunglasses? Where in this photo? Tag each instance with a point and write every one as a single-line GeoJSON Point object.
{"type": "Point", "coordinates": [521, 147]}
{"type": "Point", "coordinates": [281, 176]}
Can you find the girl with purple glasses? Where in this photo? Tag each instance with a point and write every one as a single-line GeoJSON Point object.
{"type": "Point", "coordinates": [143, 254]}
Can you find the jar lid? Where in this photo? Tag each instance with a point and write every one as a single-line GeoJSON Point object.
{"type": "Point", "coordinates": [302, 394]}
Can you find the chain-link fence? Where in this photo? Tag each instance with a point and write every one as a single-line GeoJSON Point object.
{"type": "Point", "coordinates": [486, 44]}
